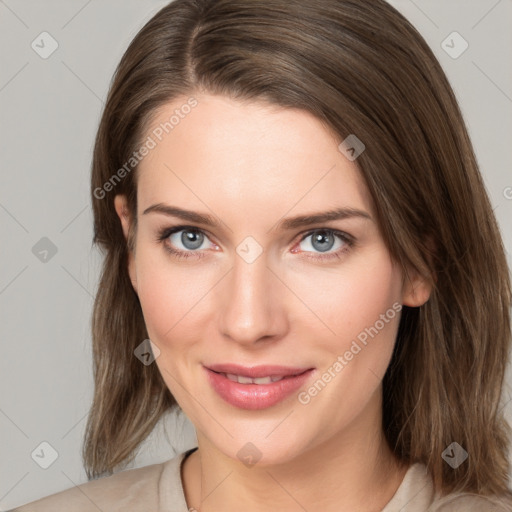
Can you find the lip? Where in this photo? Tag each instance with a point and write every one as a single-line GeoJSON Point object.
{"type": "Point", "coordinates": [256, 396]}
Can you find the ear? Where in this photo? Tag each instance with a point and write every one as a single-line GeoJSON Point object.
{"type": "Point", "coordinates": [416, 289]}
{"type": "Point", "coordinates": [121, 206]}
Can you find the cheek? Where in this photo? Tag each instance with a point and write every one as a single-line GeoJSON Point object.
{"type": "Point", "coordinates": [170, 293]}
{"type": "Point", "coordinates": [352, 298]}
{"type": "Point", "coordinates": [367, 303]}
{"type": "Point", "coordinates": [172, 297]}
{"type": "Point", "coordinates": [354, 356]}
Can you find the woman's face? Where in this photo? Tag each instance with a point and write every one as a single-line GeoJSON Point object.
{"type": "Point", "coordinates": [255, 288]}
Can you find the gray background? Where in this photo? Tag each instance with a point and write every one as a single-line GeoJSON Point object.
{"type": "Point", "coordinates": [49, 111]}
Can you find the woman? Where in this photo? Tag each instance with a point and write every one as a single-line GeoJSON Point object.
{"type": "Point", "coordinates": [238, 139]}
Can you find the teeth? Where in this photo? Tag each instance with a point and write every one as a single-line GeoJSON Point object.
{"type": "Point", "coordinates": [248, 380]}
{"type": "Point", "coordinates": [262, 380]}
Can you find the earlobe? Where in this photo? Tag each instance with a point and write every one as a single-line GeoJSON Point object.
{"type": "Point", "coordinates": [417, 285]}
{"type": "Point", "coordinates": [121, 207]}
{"type": "Point", "coordinates": [416, 290]}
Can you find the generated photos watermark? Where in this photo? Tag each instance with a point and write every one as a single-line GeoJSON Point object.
{"type": "Point", "coordinates": [151, 142]}
{"type": "Point", "coordinates": [305, 397]}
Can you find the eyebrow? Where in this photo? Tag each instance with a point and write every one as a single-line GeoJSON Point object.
{"type": "Point", "coordinates": [286, 224]}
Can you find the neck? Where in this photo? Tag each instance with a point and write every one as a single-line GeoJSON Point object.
{"type": "Point", "coordinates": [353, 470]}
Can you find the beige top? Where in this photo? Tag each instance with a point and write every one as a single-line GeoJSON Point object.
{"type": "Point", "coordinates": [158, 488]}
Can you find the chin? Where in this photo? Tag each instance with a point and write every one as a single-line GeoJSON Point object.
{"type": "Point", "coordinates": [255, 447]}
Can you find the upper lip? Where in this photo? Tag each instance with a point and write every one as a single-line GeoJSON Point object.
{"type": "Point", "coordinates": [266, 370]}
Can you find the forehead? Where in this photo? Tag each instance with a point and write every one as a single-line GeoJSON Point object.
{"type": "Point", "coordinates": [250, 155]}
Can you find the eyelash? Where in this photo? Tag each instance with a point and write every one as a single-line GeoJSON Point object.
{"type": "Point", "coordinates": [165, 233]}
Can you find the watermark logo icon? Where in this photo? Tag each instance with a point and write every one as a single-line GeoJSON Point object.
{"type": "Point", "coordinates": [454, 455]}
{"type": "Point", "coordinates": [44, 250]}
{"type": "Point", "coordinates": [147, 352]}
{"type": "Point", "coordinates": [44, 455]}
{"type": "Point", "coordinates": [249, 454]}
{"type": "Point", "coordinates": [454, 45]}
{"type": "Point", "coordinates": [249, 249]}
{"type": "Point", "coordinates": [352, 147]}
{"type": "Point", "coordinates": [44, 45]}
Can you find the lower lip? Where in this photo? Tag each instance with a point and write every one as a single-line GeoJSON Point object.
{"type": "Point", "coordinates": [255, 396]}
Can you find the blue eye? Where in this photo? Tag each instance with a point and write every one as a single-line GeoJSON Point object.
{"type": "Point", "coordinates": [323, 240]}
{"type": "Point", "coordinates": [192, 238]}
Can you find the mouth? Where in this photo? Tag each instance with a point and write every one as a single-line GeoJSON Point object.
{"type": "Point", "coordinates": [255, 387]}
{"type": "Point", "coordinates": [242, 379]}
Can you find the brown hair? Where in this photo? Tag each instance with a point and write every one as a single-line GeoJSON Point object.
{"type": "Point", "coordinates": [361, 68]}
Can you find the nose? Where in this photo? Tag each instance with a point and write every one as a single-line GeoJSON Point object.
{"type": "Point", "coordinates": [253, 308]}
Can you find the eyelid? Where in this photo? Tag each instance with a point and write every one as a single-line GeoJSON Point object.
{"type": "Point", "coordinates": [348, 240]}
{"type": "Point", "coordinates": [342, 234]}
{"type": "Point", "coordinates": [165, 233]}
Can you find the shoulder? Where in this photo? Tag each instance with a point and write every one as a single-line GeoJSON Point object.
{"type": "Point", "coordinates": [471, 503]}
{"type": "Point", "coordinates": [416, 493]}
{"type": "Point", "coordinates": [129, 488]}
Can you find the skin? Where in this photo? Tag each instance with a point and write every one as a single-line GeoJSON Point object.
{"type": "Point", "coordinates": [251, 164]}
